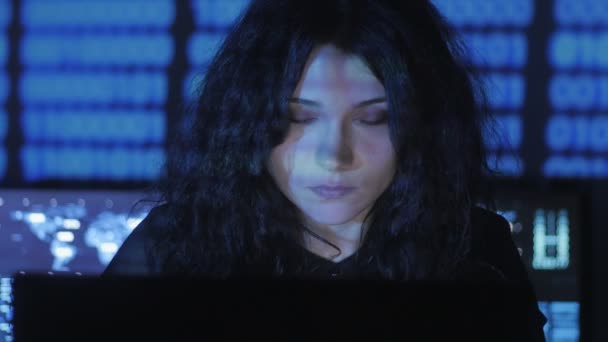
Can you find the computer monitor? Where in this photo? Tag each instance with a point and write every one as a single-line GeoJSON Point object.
{"type": "Point", "coordinates": [548, 224]}
{"type": "Point", "coordinates": [81, 308]}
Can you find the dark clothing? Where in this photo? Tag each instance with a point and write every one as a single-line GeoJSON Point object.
{"type": "Point", "coordinates": [493, 256]}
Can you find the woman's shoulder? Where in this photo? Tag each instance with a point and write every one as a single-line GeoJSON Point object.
{"type": "Point", "coordinates": [155, 224]}
{"type": "Point", "coordinates": [488, 227]}
{"type": "Point", "coordinates": [158, 220]}
{"type": "Point", "coordinates": [486, 221]}
{"type": "Point", "coordinates": [494, 249]}
{"type": "Point", "coordinates": [135, 256]}
{"type": "Point", "coordinates": [492, 244]}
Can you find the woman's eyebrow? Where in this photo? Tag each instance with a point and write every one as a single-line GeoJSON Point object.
{"type": "Point", "coordinates": [312, 103]}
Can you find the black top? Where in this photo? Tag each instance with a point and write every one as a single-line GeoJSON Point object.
{"type": "Point", "coordinates": [493, 250]}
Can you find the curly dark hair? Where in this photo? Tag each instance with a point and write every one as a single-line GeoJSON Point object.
{"type": "Point", "coordinates": [228, 216]}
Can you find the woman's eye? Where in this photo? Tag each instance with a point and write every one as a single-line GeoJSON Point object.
{"type": "Point", "coordinates": [302, 118]}
{"type": "Point", "coordinates": [375, 119]}
{"type": "Point", "coordinates": [306, 120]}
{"type": "Point", "coordinates": [370, 119]}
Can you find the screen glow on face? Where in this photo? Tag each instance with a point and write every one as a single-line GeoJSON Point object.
{"type": "Point", "coordinates": [337, 158]}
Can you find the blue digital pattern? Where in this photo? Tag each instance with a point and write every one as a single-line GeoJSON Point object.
{"type": "Point", "coordinates": [2, 162]}
{"type": "Point", "coordinates": [94, 88]}
{"type": "Point", "coordinates": [493, 31]}
{"type": "Point", "coordinates": [562, 320]}
{"type": "Point", "coordinates": [3, 125]}
{"type": "Point", "coordinates": [581, 13]}
{"type": "Point", "coordinates": [98, 49]}
{"type": "Point", "coordinates": [498, 49]}
{"type": "Point", "coordinates": [3, 87]}
{"type": "Point", "coordinates": [5, 13]}
{"type": "Point", "coordinates": [510, 133]}
{"type": "Point", "coordinates": [218, 14]}
{"type": "Point", "coordinates": [5, 19]}
{"type": "Point", "coordinates": [212, 18]}
{"type": "Point", "coordinates": [108, 127]}
{"type": "Point", "coordinates": [202, 46]}
{"type": "Point", "coordinates": [3, 49]}
{"type": "Point", "coordinates": [576, 132]}
{"type": "Point", "coordinates": [62, 14]}
{"type": "Point", "coordinates": [79, 162]}
{"type": "Point", "coordinates": [487, 13]}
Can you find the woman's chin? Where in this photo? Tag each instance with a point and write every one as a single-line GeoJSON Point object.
{"type": "Point", "coordinates": [331, 216]}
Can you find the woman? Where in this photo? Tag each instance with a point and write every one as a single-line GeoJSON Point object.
{"type": "Point", "coordinates": [331, 139]}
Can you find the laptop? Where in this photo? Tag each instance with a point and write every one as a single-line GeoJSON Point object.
{"type": "Point", "coordinates": [85, 308]}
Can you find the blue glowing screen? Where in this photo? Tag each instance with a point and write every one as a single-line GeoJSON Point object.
{"type": "Point", "coordinates": [98, 78]}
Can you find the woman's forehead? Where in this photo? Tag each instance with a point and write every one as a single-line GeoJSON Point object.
{"type": "Point", "coordinates": [329, 62]}
{"type": "Point", "coordinates": [331, 71]}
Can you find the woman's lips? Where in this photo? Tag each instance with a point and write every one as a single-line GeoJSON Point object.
{"type": "Point", "coordinates": [332, 192]}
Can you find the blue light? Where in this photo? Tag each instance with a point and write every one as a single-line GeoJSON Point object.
{"type": "Point", "coordinates": [567, 12]}
{"type": "Point", "coordinates": [31, 164]}
{"type": "Point", "coordinates": [2, 162]}
{"type": "Point", "coordinates": [153, 161]}
{"type": "Point", "coordinates": [578, 49]}
{"type": "Point", "coordinates": [521, 12]}
{"type": "Point", "coordinates": [79, 162]}
{"type": "Point", "coordinates": [3, 87]}
{"type": "Point", "coordinates": [598, 137]}
{"type": "Point", "coordinates": [5, 13]}
{"type": "Point", "coordinates": [446, 8]}
{"type": "Point", "coordinates": [510, 130]}
{"type": "Point", "coordinates": [485, 13]}
{"type": "Point", "coordinates": [559, 166]}
{"type": "Point", "coordinates": [226, 11]}
{"type": "Point", "coordinates": [72, 162]}
{"type": "Point", "coordinates": [121, 162]}
{"type": "Point", "coordinates": [507, 164]}
{"type": "Point", "coordinates": [3, 49]}
{"type": "Point", "coordinates": [563, 50]}
{"type": "Point", "coordinates": [3, 126]}
{"type": "Point", "coordinates": [136, 88]}
{"type": "Point", "coordinates": [93, 86]}
{"type": "Point", "coordinates": [581, 12]}
{"type": "Point", "coordinates": [519, 56]}
{"type": "Point", "coordinates": [79, 14]}
{"type": "Point", "coordinates": [578, 92]}
{"type": "Point", "coordinates": [562, 320]}
{"type": "Point", "coordinates": [498, 49]}
{"type": "Point", "coordinates": [98, 49]}
{"type": "Point", "coordinates": [505, 90]}
{"type": "Point", "coordinates": [558, 135]}
{"type": "Point", "coordinates": [551, 240]}
{"type": "Point", "coordinates": [130, 127]}
{"type": "Point", "coordinates": [192, 83]}
{"type": "Point", "coordinates": [202, 46]}
{"type": "Point", "coordinates": [217, 13]}
{"type": "Point", "coordinates": [202, 11]}
{"type": "Point", "coordinates": [156, 127]}
{"type": "Point", "coordinates": [577, 133]}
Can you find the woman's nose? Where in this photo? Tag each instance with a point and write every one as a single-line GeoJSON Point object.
{"type": "Point", "coordinates": [335, 148]}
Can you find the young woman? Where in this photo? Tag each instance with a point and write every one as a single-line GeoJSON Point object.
{"type": "Point", "coordinates": [331, 139]}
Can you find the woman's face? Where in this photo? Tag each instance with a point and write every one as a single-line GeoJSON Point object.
{"type": "Point", "coordinates": [337, 158]}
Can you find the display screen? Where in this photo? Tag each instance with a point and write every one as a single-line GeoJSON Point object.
{"type": "Point", "coordinates": [95, 83]}
{"type": "Point", "coordinates": [547, 228]}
